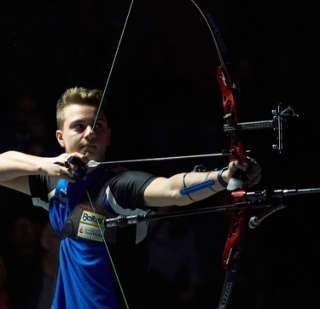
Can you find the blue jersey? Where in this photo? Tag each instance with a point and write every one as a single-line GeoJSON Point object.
{"type": "Point", "coordinates": [85, 278]}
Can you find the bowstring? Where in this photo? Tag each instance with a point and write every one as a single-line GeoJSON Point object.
{"type": "Point", "coordinates": [99, 109]}
{"type": "Point", "coordinates": [112, 66]}
{"type": "Point", "coordinates": [92, 130]}
{"type": "Point", "coordinates": [113, 266]}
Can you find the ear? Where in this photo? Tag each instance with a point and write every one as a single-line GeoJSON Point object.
{"type": "Point", "coordinates": [59, 136]}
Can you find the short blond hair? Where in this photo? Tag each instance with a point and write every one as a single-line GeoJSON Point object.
{"type": "Point", "coordinates": [76, 95]}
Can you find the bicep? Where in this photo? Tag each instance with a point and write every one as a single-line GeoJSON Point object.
{"type": "Point", "coordinates": [159, 193]}
{"type": "Point", "coordinates": [20, 184]}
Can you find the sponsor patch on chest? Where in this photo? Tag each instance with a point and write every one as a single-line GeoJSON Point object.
{"type": "Point", "coordinates": [91, 226]}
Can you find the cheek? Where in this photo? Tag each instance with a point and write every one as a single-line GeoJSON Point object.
{"type": "Point", "coordinates": [107, 137]}
{"type": "Point", "coordinates": [71, 143]}
{"type": "Point", "coordinates": [103, 137]}
{"type": "Point", "coordinates": [106, 141]}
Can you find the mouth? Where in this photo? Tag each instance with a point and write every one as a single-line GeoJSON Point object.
{"type": "Point", "coordinates": [89, 148]}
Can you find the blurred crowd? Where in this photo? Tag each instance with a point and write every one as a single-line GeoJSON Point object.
{"type": "Point", "coordinates": [179, 265]}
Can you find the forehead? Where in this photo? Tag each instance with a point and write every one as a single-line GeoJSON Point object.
{"type": "Point", "coordinates": [77, 112]}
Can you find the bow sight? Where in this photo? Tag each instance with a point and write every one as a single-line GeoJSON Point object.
{"type": "Point", "coordinates": [280, 116]}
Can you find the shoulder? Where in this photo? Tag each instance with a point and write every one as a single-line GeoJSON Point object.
{"type": "Point", "coordinates": [127, 187]}
{"type": "Point", "coordinates": [37, 181]}
{"type": "Point", "coordinates": [132, 177]}
{"type": "Point", "coordinates": [42, 188]}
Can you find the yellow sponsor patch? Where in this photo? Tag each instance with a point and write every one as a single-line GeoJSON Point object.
{"type": "Point", "coordinates": [91, 218]}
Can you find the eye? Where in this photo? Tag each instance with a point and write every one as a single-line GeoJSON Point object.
{"type": "Point", "coordinates": [100, 125]}
{"type": "Point", "coordinates": [79, 127]}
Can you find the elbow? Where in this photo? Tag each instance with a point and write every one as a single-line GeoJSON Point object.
{"type": "Point", "coordinates": [7, 154]}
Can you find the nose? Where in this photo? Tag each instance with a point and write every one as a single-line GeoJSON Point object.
{"type": "Point", "coordinates": [89, 133]}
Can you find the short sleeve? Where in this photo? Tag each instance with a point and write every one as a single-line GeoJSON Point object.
{"type": "Point", "coordinates": [42, 188]}
{"type": "Point", "coordinates": [128, 188]}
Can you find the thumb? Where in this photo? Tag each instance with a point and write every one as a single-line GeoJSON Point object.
{"type": "Point", "coordinates": [233, 166]}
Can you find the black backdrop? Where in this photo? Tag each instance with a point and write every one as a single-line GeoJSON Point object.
{"type": "Point", "coordinates": [163, 100]}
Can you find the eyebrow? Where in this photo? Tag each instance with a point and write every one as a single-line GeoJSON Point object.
{"type": "Point", "coordinates": [76, 121]}
{"type": "Point", "coordinates": [83, 120]}
{"type": "Point", "coordinates": [101, 118]}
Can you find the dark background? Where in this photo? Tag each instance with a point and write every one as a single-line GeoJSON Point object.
{"type": "Point", "coordinates": [163, 99]}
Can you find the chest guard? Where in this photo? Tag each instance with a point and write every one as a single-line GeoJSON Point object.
{"type": "Point", "coordinates": [86, 223]}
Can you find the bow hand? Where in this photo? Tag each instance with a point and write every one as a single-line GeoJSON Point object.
{"type": "Point", "coordinates": [242, 173]}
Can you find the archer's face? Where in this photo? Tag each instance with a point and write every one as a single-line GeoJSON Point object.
{"type": "Point", "coordinates": [77, 131]}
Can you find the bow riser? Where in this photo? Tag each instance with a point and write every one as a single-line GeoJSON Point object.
{"type": "Point", "coordinates": [236, 149]}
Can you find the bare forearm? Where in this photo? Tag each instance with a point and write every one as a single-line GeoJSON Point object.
{"type": "Point", "coordinates": [188, 180]}
{"type": "Point", "coordinates": [15, 164]}
{"type": "Point", "coordinates": [15, 167]}
{"type": "Point", "coordinates": [169, 191]}
{"type": "Point", "coordinates": [178, 189]}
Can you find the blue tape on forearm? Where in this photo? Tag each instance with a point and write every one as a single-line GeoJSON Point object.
{"type": "Point", "coordinates": [196, 187]}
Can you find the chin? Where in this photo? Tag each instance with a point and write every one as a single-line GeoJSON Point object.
{"type": "Point", "coordinates": [96, 156]}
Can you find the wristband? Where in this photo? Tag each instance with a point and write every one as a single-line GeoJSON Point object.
{"type": "Point", "coordinates": [220, 179]}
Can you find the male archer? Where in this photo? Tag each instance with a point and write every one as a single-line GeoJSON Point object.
{"type": "Point", "coordinates": [77, 207]}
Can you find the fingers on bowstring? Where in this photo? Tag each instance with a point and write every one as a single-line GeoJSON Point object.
{"type": "Point", "coordinates": [67, 174]}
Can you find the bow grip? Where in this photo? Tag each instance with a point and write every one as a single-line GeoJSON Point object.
{"type": "Point", "coordinates": [237, 181]}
